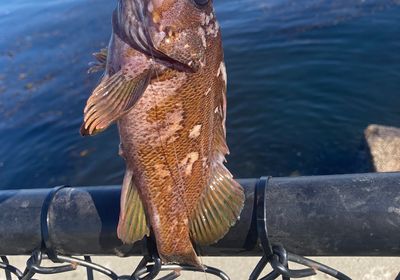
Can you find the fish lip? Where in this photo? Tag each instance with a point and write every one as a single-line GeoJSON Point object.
{"type": "Point", "coordinates": [139, 38]}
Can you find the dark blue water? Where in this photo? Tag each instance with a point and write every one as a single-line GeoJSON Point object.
{"type": "Point", "coordinates": [305, 79]}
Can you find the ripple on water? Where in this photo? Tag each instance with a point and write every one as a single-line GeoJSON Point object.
{"type": "Point", "coordinates": [305, 78]}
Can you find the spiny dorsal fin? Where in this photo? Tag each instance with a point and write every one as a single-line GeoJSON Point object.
{"type": "Point", "coordinates": [111, 99]}
{"type": "Point", "coordinates": [101, 62]}
{"type": "Point", "coordinates": [218, 208]}
{"type": "Point", "coordinates": [132, 225]}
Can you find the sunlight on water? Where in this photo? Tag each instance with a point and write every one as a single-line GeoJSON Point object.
{"type": "Point", "coordinates": [305, 79]}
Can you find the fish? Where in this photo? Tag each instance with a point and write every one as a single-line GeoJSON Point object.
{"type": "Point", "coordinates": [164, 84]}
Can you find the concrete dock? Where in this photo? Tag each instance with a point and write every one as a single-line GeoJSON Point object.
{"type": "Point", "coordinates": [368, 268]}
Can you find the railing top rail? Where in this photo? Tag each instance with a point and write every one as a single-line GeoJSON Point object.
{"type": "Point", "coordinates": [355, 214]}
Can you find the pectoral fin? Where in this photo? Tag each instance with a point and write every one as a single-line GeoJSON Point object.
{"type": "Point", "coordinates": [218, 208]}
{"type": "Point", "coordinates": [111, 99]}
{"type": "Point", "coordinates": [132, 225]}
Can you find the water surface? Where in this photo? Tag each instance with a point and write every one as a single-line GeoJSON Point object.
{"type": "Point", "coordinates": [305, 79]}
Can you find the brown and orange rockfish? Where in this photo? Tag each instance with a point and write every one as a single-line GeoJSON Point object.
{"type": "Point", "coordinates": [165, 85]}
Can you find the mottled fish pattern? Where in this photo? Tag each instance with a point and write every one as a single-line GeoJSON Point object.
{"type": "Point", "coordinates": [165, 86]}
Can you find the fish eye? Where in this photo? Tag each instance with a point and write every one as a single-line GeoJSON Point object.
{"type": "Point", "coordinates": [201, 3]}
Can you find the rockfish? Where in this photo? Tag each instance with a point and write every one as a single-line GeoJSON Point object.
{"type": "Point", "coordinates": [165, 86]}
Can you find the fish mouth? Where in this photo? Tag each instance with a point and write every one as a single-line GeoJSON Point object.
{"type": "Point", "coordinates": [130, 23]}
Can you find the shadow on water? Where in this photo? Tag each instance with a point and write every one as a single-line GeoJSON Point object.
{"type": "Point", "coordinates": [304, 80]}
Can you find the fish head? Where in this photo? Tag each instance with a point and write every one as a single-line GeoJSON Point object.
{"type": "Point", "coordinates": [178, 28]}
{"type": "Point", "coordinates": [176, 32]}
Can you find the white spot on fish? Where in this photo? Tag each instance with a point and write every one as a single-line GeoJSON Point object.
{"type": "Point", "coordinates": [203, 18]}
{"type": "Point", "coordinates": [158, 38]}
{"type": "Point", "coordinates": [210, 25]}
{"type": "Point", "coordinates": [195, 131]}
{"type": "Point", "coordinates": [212, 29]}
{"type": "Point", "coordinates": [208, 91]}
{"type": "Point", "coordinates": [223, 113]}
{"type": "Point", "coordinates": [174, 123]}
{"type": "Point", "coordinates": [120, 151]}
{"type": "Point", "coordinates": [161, 171]}
{"type": "Point", "coordinates": [208, 18]}
{"type": "Point", "coordinates": [150, 7]}
{"type": "Point", "coordinates": [157, 220]}
{"type": "Point", "coordinates": [165, 131]}
{"type": "Point", "coordinates": [157, 3]}
{"type": "Point", "coordinates": [162, 131]}
{"type": "Point", "coordinates": [222, 70]}
{"type": "Point", "coordinates": [203, 61]}
{"type": "Point", "coordinates": [187, 163]}
{"type": "Point", "coordinates": [204, 160]}
{"type": "Point", "coordinates": [216, 28]}
{"type": "Point", "coordinates": [202, 35]}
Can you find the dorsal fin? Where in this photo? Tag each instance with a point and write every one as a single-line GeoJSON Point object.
{"type": "Point", "coordinates": [101, 62]}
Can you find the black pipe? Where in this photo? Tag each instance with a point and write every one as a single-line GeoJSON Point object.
{"type": "Point", "coordinates": [340, 215]}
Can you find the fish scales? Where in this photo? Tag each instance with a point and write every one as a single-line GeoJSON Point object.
{"type": "Point", "coordinates": [171, 170]}
{"type": "Point", "coordinates": [170, 106]}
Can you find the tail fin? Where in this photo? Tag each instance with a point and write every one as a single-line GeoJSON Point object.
{"type": "Point", "coordinates": [132, 225]}
{"type": "Point", "coordinates": [188, 258]}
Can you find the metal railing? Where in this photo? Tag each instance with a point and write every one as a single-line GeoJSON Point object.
{"type": "Point", "coordinates": [335, 215]}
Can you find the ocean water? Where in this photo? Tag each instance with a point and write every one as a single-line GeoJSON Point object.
{"type": "Point", "coordinates": [305, 78]}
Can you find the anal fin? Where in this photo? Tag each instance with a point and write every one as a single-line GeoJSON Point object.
{"type": "Point", "coordinates": [218, 209]}
{"type": "Point", "coordinates": [132, 225]}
